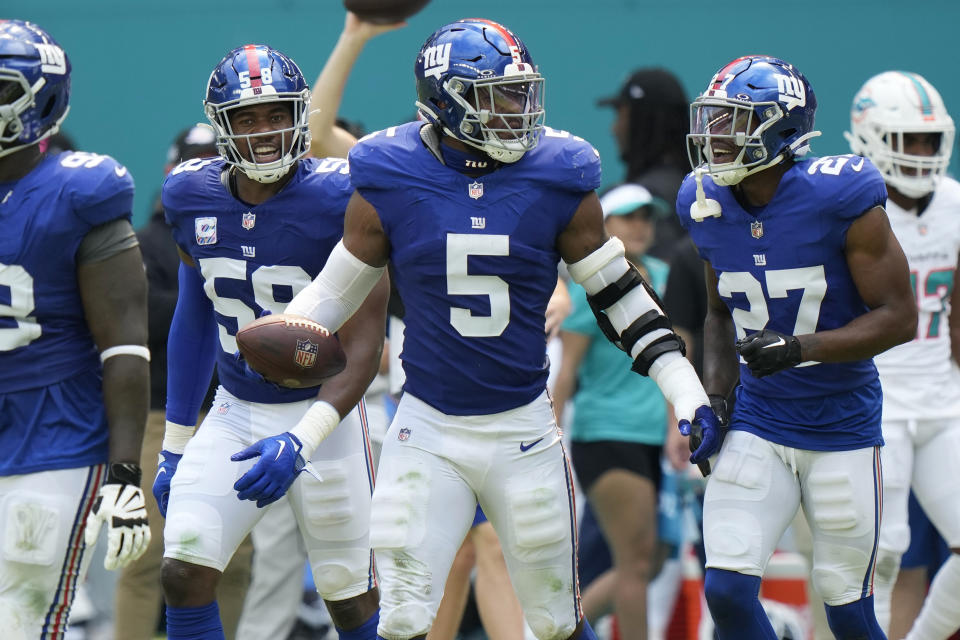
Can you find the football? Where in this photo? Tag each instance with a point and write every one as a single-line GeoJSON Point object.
{"type": "Point", "coordinates": [384, 11]}
{"type": "Point", "coordinates": [290, 351]}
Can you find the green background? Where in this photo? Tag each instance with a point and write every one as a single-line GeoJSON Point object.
{"type": "Point", "coordinates": [140, 68]}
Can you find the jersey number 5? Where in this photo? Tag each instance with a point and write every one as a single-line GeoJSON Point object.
{"type": "Point", "coordinates": [460, 246]}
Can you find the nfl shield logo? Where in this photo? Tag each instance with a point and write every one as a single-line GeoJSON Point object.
{"type": "Point", "coordinates": [404, 434]}
{"type": "Point", "coordinates": [249, 219]}
{"type": "Point", "coordinates": [306, 354]}
{"type": "Point", "coordinates": [476, 190]}
{"type": "Point", "coordinates": [756, 229]}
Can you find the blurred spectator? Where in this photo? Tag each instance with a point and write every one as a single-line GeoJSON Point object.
{"type": "Point", "coordinates": [651, 124]}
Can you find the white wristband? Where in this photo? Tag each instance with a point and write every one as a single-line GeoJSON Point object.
{"type": "Point", "coordinates": [315, 425]}
{"type": "Point", "coordinates": [125, 350]}
{"type": "Point", "coordinates": [679, 384]}
{"type": "Point", "coordinates": [175, 437]}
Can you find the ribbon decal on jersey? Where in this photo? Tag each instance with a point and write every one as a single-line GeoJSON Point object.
{"type": "Point", "coordinates": [476, 190]}
{"type": "Point", "coordinates": [206, 230]}
{"type": "Point", "coordinates": [306, 354]}
{"type": "Point", "coordinates": [249, 220]}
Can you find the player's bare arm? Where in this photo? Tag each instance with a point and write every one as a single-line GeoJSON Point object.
{"type": "Point", "coordinates": [363, 234]}
{"type": "Point", "coordinates": [879, 269]}
{"type": "Point", "coordinates": [327, 139]}
{"type": "Point", "coordinates": [720, 361]}
{"type": "Point", "coordinates": [114, 294]}
{"type": "Point", "coordinates": [362, 340]}
{"type": "Point", "coordinates": [585, 232]}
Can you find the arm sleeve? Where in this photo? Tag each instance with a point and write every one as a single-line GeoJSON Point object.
{"type": "Point", "coordinates": [190, 349]}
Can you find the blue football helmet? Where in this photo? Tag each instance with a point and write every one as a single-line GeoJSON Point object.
{"type": "Point", "coordinates": [477, 81]}
{"type": "Point", "coordinates": [756, 112]}
{"type": "Point", "coordinates": [34, 85]}
{"type": "Point", "coordinates": [250, 75]}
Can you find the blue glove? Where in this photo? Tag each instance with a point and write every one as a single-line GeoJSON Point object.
{"type": "Point", "coordinates": [166, 467]}
{"type": "Point", "coordinates": [268, 480]}
{"type": "Point", "coordinates": [706, 435]}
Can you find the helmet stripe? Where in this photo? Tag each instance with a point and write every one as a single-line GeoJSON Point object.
{"type": "Point", "coordinates": [253, 63]}
{"type": "Point", "coordinates": [926, 106]}
{"type": "Point", "coordinates": [718, 78]}
{"type": "Point", "coordinates": [502, 30]}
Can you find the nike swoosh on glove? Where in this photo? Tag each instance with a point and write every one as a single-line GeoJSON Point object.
{"type": "Point", "coordinates": [279, 464]}
{"type": "Point", "coordinates": [120, 505]}
{"type": "Point", "coordinates": [768, 352]}
{"type": "Point", "coordinates": [166, 466]}
{"type": "Point", "coordinates": [706, 435]}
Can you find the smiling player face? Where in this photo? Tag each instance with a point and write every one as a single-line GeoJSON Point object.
{"type": "Point", "coordinates": [268, 129]}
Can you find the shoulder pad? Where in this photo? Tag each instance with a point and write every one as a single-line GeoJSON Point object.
{"type": "Point", "coordinates": [563, 160]}
{"type": "Point", "coordinates": [382, 159]}
{"type": "Point", "coordinates": [100, 188]}
{"type": "Point", "coordinates": [184, 181]}
{"type": "Point", "coordinates": [850, 184]}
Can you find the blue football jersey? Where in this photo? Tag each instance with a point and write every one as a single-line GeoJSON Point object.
{"type": "Point", "coordinates": [253, 258]}
{"type": "Point", "coordinates": [783, 267]}
{"type": "Point", "coordinates": [475, 261]}
{"type": "Point", "coordinates": [44, 338]}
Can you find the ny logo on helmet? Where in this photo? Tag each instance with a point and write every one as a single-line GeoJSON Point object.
{"type": "Point", "coordinates": [436, 60]}
{"type": "Point", "coordinates": [792, 93]}
{"type": "Point", "coordinates": [52, 59]}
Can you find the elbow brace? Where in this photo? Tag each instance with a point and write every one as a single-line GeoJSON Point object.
{"type": "Point", "coordinates": [626, 307]}
{"type": "Point", "coordinates": [338, 291]}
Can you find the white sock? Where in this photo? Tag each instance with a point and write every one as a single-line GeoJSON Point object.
{"type": "Point", "coordinates": [940, 616]}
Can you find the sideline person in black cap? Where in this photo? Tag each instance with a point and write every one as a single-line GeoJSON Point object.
{"type": "Point", "coordinates": [652, 121]}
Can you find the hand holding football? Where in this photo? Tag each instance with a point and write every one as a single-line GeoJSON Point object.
{"type": "Point", "coordinates": [291, 351]}
{"type": "Point", "coordinates": [384, 11]}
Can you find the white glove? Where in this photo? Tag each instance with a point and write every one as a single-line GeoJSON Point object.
{"type": "Point", "coordinates": [121, 506]}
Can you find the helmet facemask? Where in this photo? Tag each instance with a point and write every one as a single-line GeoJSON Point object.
{"type": "Point", "coordinates": [727, 136]}
{"type": "Point", "coordinates": [502, 116]}
{"type": "Point", "coordinates": [294, 141]}
{"type": "Point", "coordinates": [16, 97]}
{"type": "Point", "coordinates": [914, 176]}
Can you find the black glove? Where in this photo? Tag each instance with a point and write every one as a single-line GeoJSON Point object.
{"type": "Point", "coordinates": [769, 351]}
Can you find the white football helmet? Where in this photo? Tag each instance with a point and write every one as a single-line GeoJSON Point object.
{"type": "Point", "coordinates": [888, 106]}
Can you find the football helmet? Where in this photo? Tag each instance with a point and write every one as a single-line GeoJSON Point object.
{"type": "Point", "coordinates": [888, 106]}
{"type": "Point", "coordinates": [34, 85]}
{"type": "Point", "coordinates": [756, 112]}
{"type": "Point", "coordinates": [250, 75]}
{"type": "Point", "coordinates": [477, 81]}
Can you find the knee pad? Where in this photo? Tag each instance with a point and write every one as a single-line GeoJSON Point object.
{"type": "Point", "coordinates": [854, 621]}
{"type": "Point", "coordinates": [410, 619]}
{"type": "Point", "coordinates": [194, 534]}
{"type": "Point", "coordinates": [342, 573]}
{"type": "Point", "coordinates": [545, 627]}
{"type": "Point", "coordinates": [888, 566]}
